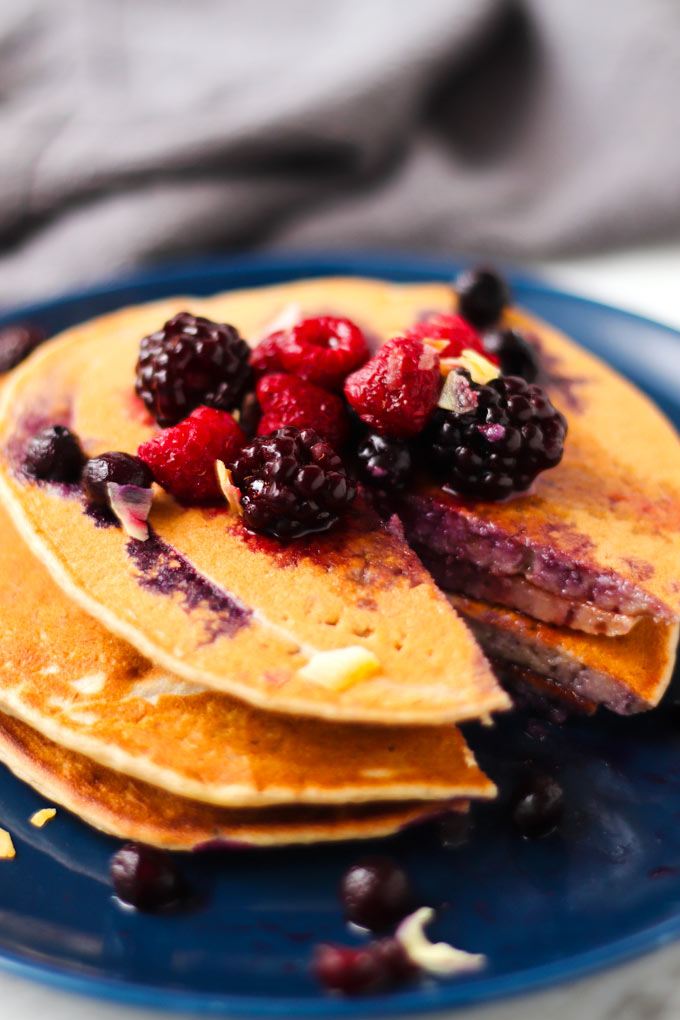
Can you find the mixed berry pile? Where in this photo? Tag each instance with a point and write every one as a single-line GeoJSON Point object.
{"type": "Point", "coordinates": [287, 430]}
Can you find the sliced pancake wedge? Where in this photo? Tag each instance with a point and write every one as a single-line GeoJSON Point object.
{"type": "Point", "coordinates": [130, 809]}
{"type": "Point", "coordinates": [210, 602]}
{"type": "Point", "coordinates": [627, 674]}
{"type": "Point", "coordinates": [76, 683]}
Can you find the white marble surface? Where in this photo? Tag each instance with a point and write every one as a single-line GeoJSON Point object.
{"type": "Point", "coordinates": [647, 282]}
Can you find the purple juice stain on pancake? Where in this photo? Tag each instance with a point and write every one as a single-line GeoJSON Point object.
{"type": "Point", "coordinates": [164, 571]}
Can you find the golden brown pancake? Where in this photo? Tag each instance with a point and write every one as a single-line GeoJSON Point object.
{"type": "Point", "coordinates": [131, 809]}
{"type": "Point", "coordinates": [627, 674]}
{"type": "Point", "coordinates": [208, 601]}
{"type": "Point", "coordinates": [65, 675]}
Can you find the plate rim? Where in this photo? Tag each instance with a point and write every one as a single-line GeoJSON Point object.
{"type": "Point", "coordinates": [419, 1001]}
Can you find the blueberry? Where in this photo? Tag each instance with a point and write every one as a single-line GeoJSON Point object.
{"type": "Point", "coordinates": [54, 455]}
{"type": "Point", "coordinates": [516, 355]}
{"type": "Point", "coordinates": [17, 342]}
{"type": "Point", "coordinates": [363, 969]}
{"type": "Point", "coordinates": [482, 296]}
{"type": "Point", "coordinates": [384, 462]}
{"type": "Point", "coordinates": [146, 878]}
{"type": "Point", "coordinates": [121, 468]}
{"type": "Point", "coordinates": [538, 806]}
{"type": "Point", "coordinates": [376, 893]}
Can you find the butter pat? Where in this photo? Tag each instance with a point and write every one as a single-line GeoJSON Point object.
{"type": "Point", "coordinates": [7, 850]}
{"type": "Point", "coordinates": [438, 958]}
{"type": "Point", "coordinates": [231, 493]}
{"type": "Point", "coordinates": [43, 816]}
{"type": "Point", "coordinates": [341, 667]}
{"type": "Point", "coordinates": [480, 368]}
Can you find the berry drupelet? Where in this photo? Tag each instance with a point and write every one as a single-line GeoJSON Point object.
{"type": "Point", "coordinates": [146, 878]}
{"type": "Point", "coordinates": [362, 970]}
{"type": "Point", "coordinates": [515, 354]}
{"type": "Point", "coordinates": [292, 483]}
{"type": "Point", "coordinates": [120, 468]}
{"type": "Point", "coordinates": [384, 462]}
{"type": "Point", "coordinates": [482, 296]}
{"type": "Point", "coordinates": [192, 361]}
{"type": "Point", "coordinates": [376, 893]}
{"type": "Point", "coordinates": [507, 434]}
{"type": "Point", "coordinates": [54, 455]}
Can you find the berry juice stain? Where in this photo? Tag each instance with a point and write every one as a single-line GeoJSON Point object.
{"type": "Point", "coordinates": [164, 571]}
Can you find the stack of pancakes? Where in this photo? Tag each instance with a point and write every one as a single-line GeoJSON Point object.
{"type": "Point", "coordinates": [206, 684]}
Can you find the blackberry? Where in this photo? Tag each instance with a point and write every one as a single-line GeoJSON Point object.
{"type": "Point", "coordinates": [146, 878]}
{"type": "Point", "coordinates": [189, 362]}
{"type": "Point", "coordinates": [17, 342]}
{"type": "Point", "coordinates": [121, 468]}
{"type": "Point", "coordinates": [292, 483]}
{"type": "Point", "coordinates": [54, 455]}
{"type": "Point", "coordinates": [515, 354]}
{"type": "Point", "coordinates": [384, 462]}
{"type": "Point", "coordinates": [482, 296]}
{"type": "Point", "coordinates": [500, 445]}
{"type": "Point", "coordinates": [538, 806]}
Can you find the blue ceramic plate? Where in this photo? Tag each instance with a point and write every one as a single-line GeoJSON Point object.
{"type": "Point", "coordinates": [604, 888]}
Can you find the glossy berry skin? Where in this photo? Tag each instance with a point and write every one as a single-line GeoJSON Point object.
{"type": "Point", "coordinates": [361, 970]}
{"type": "Point", "coordinates": [376, 893]}
{"type": "Point", "coordinates": [54, 455]}
{"type": "Point", "coordinates": [384, 462]}
{"type": "Point", "coordinates": [17, 342]}
{"type": "Point", "coordinates": [192, 362]}
{"type": "Point", "coordinates": [499, 446]}
{"type": "Point", "coordinates": [146, 878]}
{"type": "Point", "coordinates": [453, 330]}
{"type": "Point", "coordinates": [396, 391]}
{"type": "Point", "coordinates": [515, 355]}
{"type": "Point", "coordinates": [538, 806]}
{"type": "Point", "coordinates": [121, 468]}
{"type": "Point", "coordinates": [182, 458]}
{"type": "Point", "coordinates": [482, 296]}
{"type": "Point", "coordinates": [287, 400]}
{"type": "Point", "coordinates": [265, 357]}
{"type": "Point", "coordinates": [323, 350]}
{"type": "Point", "coordinates": [292, 483]}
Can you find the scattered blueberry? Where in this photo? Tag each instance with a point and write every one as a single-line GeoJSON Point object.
{"type": "Point", "coordinates": [516, 355]}
{"type": "Point", "coordinates": [363, 969]}
{"type": "Point", "coordinates": [384, 462]}
{"type": "Point", "coordinates": [17, 342]}
{"type": "Point", "coordinates": [376, 893]}
{"type": "Point", "coordinates": [482, 296]}
{"type": "Point", "coordinates": [538, 806]}
{"type": "Point", "coordinates": [146, 878]}
{"type": "Point", "coordinates": [121, 468]}
{"type": "Point", "coordinates": [54, 455]}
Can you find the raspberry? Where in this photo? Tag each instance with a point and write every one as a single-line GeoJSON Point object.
{"type": "Point", "coordinates": [266, 356]}
{"type": "Point", "coordinates": [54, 455]}
{"type": "Point", "coordinates": [287, 400]}
{"type": "Point", "coordinates": [507, 433]}
{"type": "Point", "coordinates": [384, 462]}
{"type": "Point", "coordinates": [292, 483]}
{"type": "Point", "coordinates": [397, 390]}
{"type": "Point", "coordinates": [323, 350]}
{"type": "Point", "coordinates": [460, 335]}
{"type": "Point", "coordinates": [183, 457]}
{"type": "Point", "coordinates": [192, 361]}
{"type": "Point", "coordinates": [515, 354]}
{"type": "Point", "coordinates": [482, 296]}
{"type": "Point", "coordinates": [361, 970]}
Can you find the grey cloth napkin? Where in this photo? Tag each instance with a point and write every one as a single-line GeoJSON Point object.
{"type": "Point", "coordinates": [133, 130]}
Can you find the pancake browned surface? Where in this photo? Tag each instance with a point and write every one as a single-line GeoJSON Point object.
{"type": "Point", "coordinates": [262, 611]}
{"type": "Point", "coordinates": [131, 809]}
{"type": "Point", "coordinates": [63, 673]}
{"type": "Point", "coordinates": [627, 674]}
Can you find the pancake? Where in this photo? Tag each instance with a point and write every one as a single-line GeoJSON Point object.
{"type": "Point", "coordinates": [208, 601]}
{"type": "Point", "coordinates": [133, 810]}
{"type": "Point", "coordinates": [627, 674]}
{"type": "Point", "coordinates": [68, 677]}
